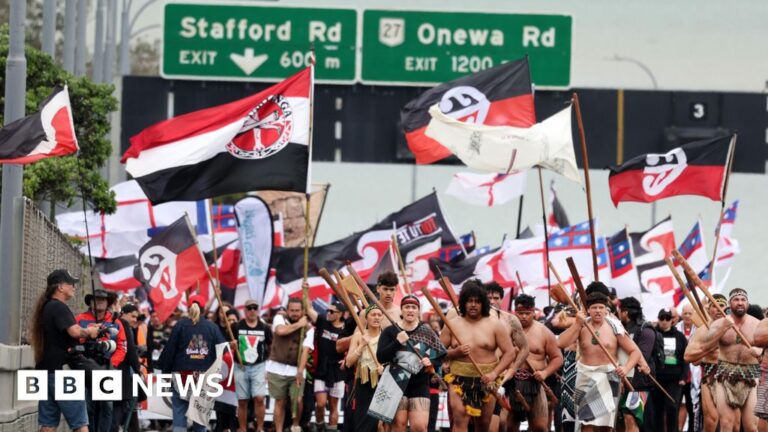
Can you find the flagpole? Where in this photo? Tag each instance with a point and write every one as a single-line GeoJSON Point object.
{"type": "Point", "coordinates": [519, 216]}
{"type": "Point", "coordinates": [401, 264]}
{"type": "Point", "coordinates": [585, 161]}
{"type": "Point", "coordinates": [216, 287]}
{"type": "Point", "coordinates": [729, 166]}
{"type": "Point", "coordinates": [546, 235]}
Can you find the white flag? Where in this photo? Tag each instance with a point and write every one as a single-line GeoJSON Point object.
{"type": "Point", "coordinates": [489, 148]}
{"type": "Point", "coordinates": [487, 189]}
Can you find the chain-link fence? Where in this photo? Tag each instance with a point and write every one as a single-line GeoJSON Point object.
{"type": "Point", "coordinates": [44, 249]}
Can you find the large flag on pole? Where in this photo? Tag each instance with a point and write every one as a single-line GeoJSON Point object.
{"type": "Point", "coordinates": [170, 264]}
{"type": "Point", "coordinates": [548, 144]}
{"type": "Point", "coordinates": [500, 96]}
{"type": "Point", "coordinates": [260, 142]}
{"type": "Point", "coordinates": [697, 168]}
{"type": "Point", "coordinates": [487, 189]}
{"type": "Point", "coordinates": [46, 133]}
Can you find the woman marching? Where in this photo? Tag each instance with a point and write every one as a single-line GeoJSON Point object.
{"type": "Point", "coordinates": [368, 370]}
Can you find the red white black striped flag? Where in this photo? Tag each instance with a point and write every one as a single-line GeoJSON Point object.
{"type": "Point", "coordinates": [260, 142]}
{"type": "Point", "coordinates": [500, 96]}
{"type": "Point", "coordinates": [46, 133]}
{"type": "Point", "coordinates": [697, 168]}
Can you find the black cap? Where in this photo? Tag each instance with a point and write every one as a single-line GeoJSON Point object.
{"type": "Point", "coordinates": [665, 313]}
{"type": "Point", "coordinates": [61, 276]}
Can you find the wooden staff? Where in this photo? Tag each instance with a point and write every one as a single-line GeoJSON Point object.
{"type": "Point", "coordinates": [550, 394]}
{"type": "Point", "coordinates": [492, 386]}
{"type": "Point", "coordinates": [358, 280]}
{"type": "Point", "coordinates": [698, 299]}
{"type": "Point", "coordinates": [546, 234]}
{"type": "Point", "coordinates": [729, 165]}
{"type": "Point", "coordinates": [695, 278]}
{"type": "Point", "coordinates": [216, 287]}
{"type": "Point", "coordinates": [582, 292]}
{"type": "Point", "coordinates": [447, 286]}
{"type": "Point", "coordinates": [687, 292]}
{"type": "Point", "coordinates": [342, 295]}
{"type": "Point", "coordinates": [585, 162]}
{"type": "Point", "coordinates": [576, 278]}
{"type": "Point", "coordinates": [349, 286]}
{"type": "Point", "coordinates": [401, 264]}
{"type": "Point", "coordinates": [519, 283]}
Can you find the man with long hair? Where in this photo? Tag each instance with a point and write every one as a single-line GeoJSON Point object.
{"type": "Point", "coordinates": [54, 332]}
{"type": "Point", "coordinates": [485, 335]}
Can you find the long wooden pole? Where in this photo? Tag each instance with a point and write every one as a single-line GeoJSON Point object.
{"type": "Point", "coordinates": [585, 161]}
{"type": "Point", "coordinates": [447, 286]}
{"type": "Point", "coordinates": [401, 264]}
{"type": "Point", "coordinates": [546, 235]}
{"type": "Point", "coordinates": [216, 281]}
{"type": "Point", "coordinates": [342, 295]}
{"type": "Point", "coordinates": [450, 327]}
{"type": "Point", "coordinates": [577, 280]}
{"type": "Point", "coordinates": [695, 278]}
{"type": "Point", "coordinates": [687, 292]}
{"type": "Point", "coordinates": [729, 165]}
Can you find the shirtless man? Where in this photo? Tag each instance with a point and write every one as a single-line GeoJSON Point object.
{"type": "Point", "coordinates": [386, 285]}
{"type": "Point", "coordinates": [544, 360]}
{"type": "Point", "coordinates": [481, 336]}
{"type": "Point", "coordinates": [495, 296]}
{"type": "Point", "coordinates": [738, 368]}
{"type": "Point", "coordinates": [761, 410]}
{"type": "Point", "coordinates": [597, 389]}
{"type": "Point", "coordinates": [695, 354]}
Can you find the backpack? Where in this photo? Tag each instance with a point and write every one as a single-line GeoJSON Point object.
{"type": "Point", "coordinates": [657, 354]}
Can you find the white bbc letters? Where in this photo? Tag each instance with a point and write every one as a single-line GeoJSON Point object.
{"type": "Point", "coordinates": [69, 385]}
{"type": "Point", "coordinates": [32, 385]}
{"type": "Point", "coordinates": [107, 385]}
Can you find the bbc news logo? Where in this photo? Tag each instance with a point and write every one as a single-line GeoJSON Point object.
{"type": "Point", "coordinates": [107, 385]}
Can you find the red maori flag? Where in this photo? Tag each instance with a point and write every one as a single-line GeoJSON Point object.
{"type": "Point", "coordinates": [170, 264]}
{"type": "Point", "coordinates": [500, 96]}
{"type": "Point", "coordinates": [697, 168]}
{"type": "Point", "coordinates": [257, 143]}
{"type": "Point", "coordinates": [46, 133]}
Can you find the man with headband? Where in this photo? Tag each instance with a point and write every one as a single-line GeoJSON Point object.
{"type": "Point", "coordinates": [738, 369]}
{"type": "Point", "coordinates": [597, 382]}
{"type": "Point", "coordinates": [481, 335]}
{"type": "Point", "coordinates": [544, 360]}
{"type": "Point", "coordinates": [706, 358]}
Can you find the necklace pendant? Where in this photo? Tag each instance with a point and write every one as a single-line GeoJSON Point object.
{"type": "Point", "coordinates": [738, 339]}
{"type": "Point", "coordinates": [594, 339]}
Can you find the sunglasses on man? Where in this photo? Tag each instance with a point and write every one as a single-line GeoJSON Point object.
{"type": "Point", "coordinates": [252, 307]}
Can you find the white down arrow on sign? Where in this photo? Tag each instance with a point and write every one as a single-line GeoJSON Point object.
{"type": "Point", "coordinates": [247, 61]}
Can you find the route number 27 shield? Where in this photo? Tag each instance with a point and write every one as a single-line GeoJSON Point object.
{"type": "Point", "coordinates": [391, 31]}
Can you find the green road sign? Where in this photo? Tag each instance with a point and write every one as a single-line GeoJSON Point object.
{"type": "Point", "coordinates": [432, 47]}
{"type": "Point", "coordinates": [206, 41]}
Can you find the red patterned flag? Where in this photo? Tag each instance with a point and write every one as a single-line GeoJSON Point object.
{"type": "Point", "coordinates": [257, 143]}
{"type": "Point", "coordinates": [697, 168]}
{"type": "Point", "coordinates": [500, 96]}
{"type": "Point", "coordinates": [46, 133]}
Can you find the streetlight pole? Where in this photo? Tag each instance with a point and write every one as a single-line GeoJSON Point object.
{"type": "Point", "coordinates": [655, 84]}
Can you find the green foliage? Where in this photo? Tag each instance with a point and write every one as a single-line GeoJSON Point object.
{"type": "Point", "coordinates": [60, 179]}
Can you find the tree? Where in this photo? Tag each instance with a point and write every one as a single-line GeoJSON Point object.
{"type": "Point", "coordinates": [64, 179]}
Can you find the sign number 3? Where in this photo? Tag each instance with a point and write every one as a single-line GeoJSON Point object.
{"type": "Point", "coordinates": [698, 111]}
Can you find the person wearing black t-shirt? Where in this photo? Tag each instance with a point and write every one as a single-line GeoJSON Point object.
{"type": "Point", "coordinates": [329, 378]}
{"type": "Point", "coordinates": [254, 338]}
{"type": "Point", "coordinates": [54, 332]}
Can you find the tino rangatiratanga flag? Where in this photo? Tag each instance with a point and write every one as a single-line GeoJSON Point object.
{"type": "Point", "coordinates": [500, 96]}
{"type": "Point", "coordinates": [260, 142]}
{"type": "Point", "coordinates": [46, 133]}
{"type": "Point", "coordinates": [697, 168]}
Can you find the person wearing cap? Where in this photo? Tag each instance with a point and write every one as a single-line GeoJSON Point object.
{"type": "Point", "coordinates": [190, 350]}
{"type": "Point", "coordinates": [671, 375]}
{"type": "Point", "coordinates": [705, 356]}
{"type": "Point", "coordinates": [690, 389]}
{"type": "Point", "coordinates": [54, 332]}
{"type": "Point", "coordinates": [99, 315]}
{"type": "Point", "coordinates": [596, 408]}
{"type": "Point", "coordinates": [396, 347]}
{"type": "Point", "coordinates": [637, 407]}
{"type": "Point", "coordinates": [330, 373]}
{"type": "Point", "coordinates": [254, 338]}
{"type": "Point", "coordinates": [738, 368]}
{"type": "Point", "coordinates": [544, 360]}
